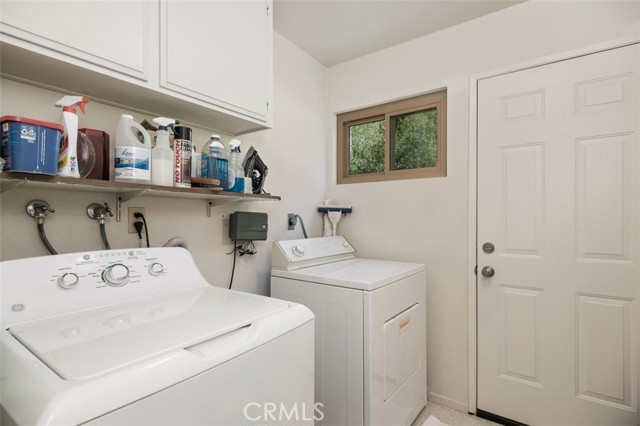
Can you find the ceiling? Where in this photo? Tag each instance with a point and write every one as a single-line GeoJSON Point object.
{"type": "Point", "coordinates": [335, 31]}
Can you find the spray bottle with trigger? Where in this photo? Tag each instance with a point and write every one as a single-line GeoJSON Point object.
{"type": "Point", "coordinates": [162, 155]}
{"type": "Point", "coordinates": [68, 156]}
{"type": "Point", "coordinates": [236, 171]}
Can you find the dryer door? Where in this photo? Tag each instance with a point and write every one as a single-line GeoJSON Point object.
{"type": "Point", "coordinates": [395, 352]}
{"type": "Point", "coordinates": [401, 349]}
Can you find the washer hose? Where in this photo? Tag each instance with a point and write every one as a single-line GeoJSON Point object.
{"type": "Point", "coordinates": [44, 239]}
{"type": "Point", "coordinates": [304, 231]}
{"type": "Point", "coordinates": [103, 234]}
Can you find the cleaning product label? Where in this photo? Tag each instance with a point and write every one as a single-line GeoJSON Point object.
{"type": "Point", "coordinates": [132, 163]}
{"type": "Point", "coordinates": [182, 166]}
{"type": "Point", "coordinates": [65, 160]}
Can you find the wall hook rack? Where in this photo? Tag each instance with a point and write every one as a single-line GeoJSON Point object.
{"type": "Point", "coordinates": [335, 208]}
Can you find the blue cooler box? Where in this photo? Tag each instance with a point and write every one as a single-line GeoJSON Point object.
{"type": "Point", "coordinates": [30, 146]}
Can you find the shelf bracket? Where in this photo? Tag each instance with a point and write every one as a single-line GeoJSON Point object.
{"type": "Point", "coordinates": [130, 195]}
{"type": "Point", "coordinates": [123, 197]}
{"type": "Point", "coordinates": [219, 202]}
{"type": "Point", "coordinates": [8, 186]}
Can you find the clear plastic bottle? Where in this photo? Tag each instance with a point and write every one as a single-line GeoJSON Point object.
{"type": "Point", "coordinates": [196, 163]}
{"type": "Point", "coordinates": [218, 162]}
{"type": "Point", "coordinates": [204, 161]}
{"type": "Point", "coordinates": [236, 172]}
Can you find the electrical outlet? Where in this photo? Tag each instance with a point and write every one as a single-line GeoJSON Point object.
{"type": "Point", "coordinates": [291, 221]}
{"type": "Point", "coordinates": [131, 219]}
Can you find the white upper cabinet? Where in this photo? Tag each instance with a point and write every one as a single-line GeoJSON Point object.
{"type": "Point", "coordinates": [96, 32]}
{"type": "Point", "coordinates": [218, 52]}
{"type": "Point", "coordinates": [207, 63]}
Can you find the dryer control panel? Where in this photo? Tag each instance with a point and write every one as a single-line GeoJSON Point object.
{"type": "Point", "coordinates": [295, 254]}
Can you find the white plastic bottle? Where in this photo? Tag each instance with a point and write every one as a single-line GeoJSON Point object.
{"type": "Point", "coordinates": [236, 172]}
{"type": "Point", "coordinates": [132, 158]}
{"type": "Point", "coordinates": [162, 155]}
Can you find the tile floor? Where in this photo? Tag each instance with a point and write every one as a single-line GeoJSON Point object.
{"type": "Point", "coordinates": [450, 416]}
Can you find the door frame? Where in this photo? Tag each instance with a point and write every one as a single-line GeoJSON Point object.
{"type": "Point", "coordinates": [473, 186]}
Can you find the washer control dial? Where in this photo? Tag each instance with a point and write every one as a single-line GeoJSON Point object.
{"type": "Point", "coordinates": [116, 275]}
{"type": "Point", "coordinates": [156, 269]}
{"type": "Point", "coordinates": [298, 250]}
{"type": "Point", "coordinates": [68, 281]}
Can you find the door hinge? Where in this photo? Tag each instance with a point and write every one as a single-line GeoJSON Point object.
{"type": "Point", "coordinates": [267, 105]}
{"type": "Point", "coordinates": [268, 8]}
{"type": "Point", "coordinates": [475, 270]}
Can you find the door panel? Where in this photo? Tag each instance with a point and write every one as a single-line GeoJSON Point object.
{"type": "Point", "coordinates": [558, 195]}
{"type": "Point", "coordinates": [519, 322]}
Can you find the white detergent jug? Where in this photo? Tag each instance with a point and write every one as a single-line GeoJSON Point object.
{"type": "Point", "coordinates": [132, 157]}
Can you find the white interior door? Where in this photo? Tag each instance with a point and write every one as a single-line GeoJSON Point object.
{"type": "Point", "coordinates": [558, 196]}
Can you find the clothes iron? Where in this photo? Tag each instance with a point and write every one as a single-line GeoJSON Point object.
{"type": "Point", "coordinates": [255, 168]}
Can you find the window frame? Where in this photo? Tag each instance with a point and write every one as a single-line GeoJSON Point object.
{"type": "Point", "coordinates": [437, 100]}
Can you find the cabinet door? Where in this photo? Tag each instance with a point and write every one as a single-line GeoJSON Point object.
{"type": "Point", "coordinates": [112, 35]}
{"type": "Point", "coordinates": [219, 52]}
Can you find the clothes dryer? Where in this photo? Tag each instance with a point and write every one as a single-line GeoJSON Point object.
{"type": "Point", "coordinates": [370, 329]}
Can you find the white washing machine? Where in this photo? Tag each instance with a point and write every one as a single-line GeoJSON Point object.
{"type": "Point", "coordinates": [370, 329]}
{"type": "Point", "coordinates": [138, 337]}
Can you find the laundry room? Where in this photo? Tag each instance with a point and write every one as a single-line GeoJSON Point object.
{"type": "Point", "coordinates": [283, 84]}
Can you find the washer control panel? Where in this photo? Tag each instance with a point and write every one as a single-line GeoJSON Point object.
{"type": "Point", "coordinates": [112, 268]}
{"type": "Point", "coordinates": [65, 283]}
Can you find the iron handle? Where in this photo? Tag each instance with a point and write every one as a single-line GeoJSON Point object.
{"type": "Point", "coordinates": [488, 272]}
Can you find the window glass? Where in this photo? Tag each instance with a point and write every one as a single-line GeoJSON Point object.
{"type": "Point", "coordinates": [366, 148]}
{"type": "Point", "coordinates": [414, 138]}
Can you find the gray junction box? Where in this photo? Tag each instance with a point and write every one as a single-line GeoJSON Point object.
{"type": "Point", "coordinates": [248, 226]}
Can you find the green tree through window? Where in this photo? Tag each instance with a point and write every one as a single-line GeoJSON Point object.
{"type": "Point", "coordinates": [414, 138]}
{"type": "Point", "coordinates": [366, 148]}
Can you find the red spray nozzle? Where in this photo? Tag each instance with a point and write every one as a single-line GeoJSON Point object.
{"type": "Point", "coordinates": [70, 103]}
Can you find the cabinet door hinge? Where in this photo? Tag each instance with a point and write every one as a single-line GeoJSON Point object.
{"type": "Point", "coordinates": [267, 105]}
{"type": "Point", "coordinates": [268, 8]}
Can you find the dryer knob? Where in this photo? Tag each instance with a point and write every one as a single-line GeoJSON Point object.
{"type": "Point", "coordinates": [298, 250]}
{"type": "Point", "coordinates": [68, 281]}
{"type": "Point", "coordinates": [116, 275]}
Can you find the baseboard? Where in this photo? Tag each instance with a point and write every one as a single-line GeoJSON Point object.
{"type": "Point", "coordinates": [448, 402]}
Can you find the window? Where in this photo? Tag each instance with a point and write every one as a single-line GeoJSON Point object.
{"type": "Point", "coordinates": [400, 140]}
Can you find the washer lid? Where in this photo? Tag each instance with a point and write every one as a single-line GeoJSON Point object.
{"type": "Point", "coordinates": [361, 274]}
{"type": "Point", "coordinates": [87, 344]}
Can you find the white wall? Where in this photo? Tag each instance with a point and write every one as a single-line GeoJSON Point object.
{"type": "Point", "coordinates": [293, 150]}
{"type": "Point", "coordinates": [425, 220]}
